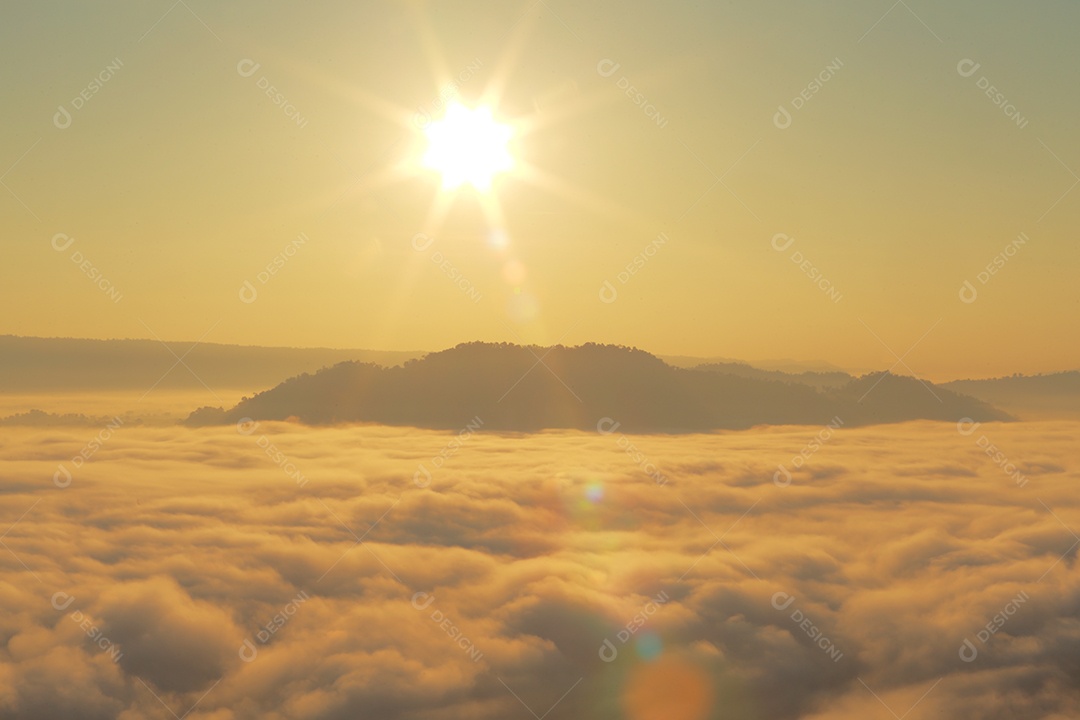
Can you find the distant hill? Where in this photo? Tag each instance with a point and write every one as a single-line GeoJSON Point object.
{"type": "Point", "coordinates": [39, 418]}
{"type": "Point", "coordinates": [1056, 395]}
{"type": "Point", "coordinates": [830, 379]}
{"type": "Point", "coordinates": [29, 364]}
{"type": "Point", "coordinates": [507, 388]}
{"type": "Point", "coordinates": [789, 366]}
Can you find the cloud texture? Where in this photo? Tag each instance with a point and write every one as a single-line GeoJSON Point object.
{"type": "Point", "coordinates": [189, 571]}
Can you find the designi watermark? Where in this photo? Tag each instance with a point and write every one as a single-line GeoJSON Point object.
{"type": "Point", "coordinates": [782, 119]}
{"type": "Point", "coordinates": [967, 427]}
{"type": "Point", "coordinates": [782, 477]}
{"type": "Point", "coordinates": [248, 292]}
{"type": "Point", "coordinates": [969, 650]}
{"type": "Point", "coordinates": [782, 601]}
{"type": "Point", "coordinates": [422, 476]}
{"type": "Point", "coordinates": [968, 292]}
{"type": "Point", "coordinates": [62, 477]}
{"type": "Point", "coordinates": [608, 67]}
{"type": "Point", "coordinates": [609, 651]}
{"type": "Point", "coordinates": [247, 426]}
{"type": "Point", "coordinates": [247, 68]}
{"type": "Point", "coordinates": [422, 242]}
{"type": "Point", "coordinates": [422, 601]}
{"type": "Point", "coordinates": [608, 291]}
{"type": "Point", "coordinates": [62, 601]}
{"type": "Point", "coordinates": [781, 242]}
{"type": "Point", "coordinates": [248, 650]}
{"type": "Point", "coordinates": [967, 68]}
{"type": "Point", "coordinates": [450, 91]}
{"type": "Point", "coordinates": [608, 426]}
{"type": "Point", "coordinates": [62, 119]}
{"type": "Point", "coordinates": [61, 242]}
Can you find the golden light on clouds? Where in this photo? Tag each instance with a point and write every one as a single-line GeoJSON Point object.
{"type": "Point", "coordinates": [203, 571]}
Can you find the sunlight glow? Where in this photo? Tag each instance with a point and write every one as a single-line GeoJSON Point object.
{"type": "Point", "coordinates": [468, 146]}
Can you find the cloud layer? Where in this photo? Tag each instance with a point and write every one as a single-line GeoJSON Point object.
{"type": "Point", "coordinates": [191, 571]}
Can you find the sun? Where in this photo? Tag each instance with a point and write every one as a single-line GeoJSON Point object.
{"type": "Point", "coordinates": [467, 146]}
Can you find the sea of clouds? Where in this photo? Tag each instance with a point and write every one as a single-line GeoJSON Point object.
{"type": "Point", "coordinates": [278, 571]}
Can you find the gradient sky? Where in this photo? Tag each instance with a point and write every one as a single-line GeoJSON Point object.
{"type": "Point", "coordinates": [180, 179]}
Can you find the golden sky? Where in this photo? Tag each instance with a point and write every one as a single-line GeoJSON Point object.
{"type": "Point", "coordinates": [890, 156]}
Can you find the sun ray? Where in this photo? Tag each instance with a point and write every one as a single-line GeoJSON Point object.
{"type": "Point", "coordinates": [519, 34]}
{"type": "Point", "coordinates": [440, 72]}
{"type": "Point", "coordinates": [623, 216]}
{"type": "Point", "coordinates": [348, 89]}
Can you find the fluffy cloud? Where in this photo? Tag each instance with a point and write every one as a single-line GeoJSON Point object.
{"type": "Point", "coordinates": [191, 571]}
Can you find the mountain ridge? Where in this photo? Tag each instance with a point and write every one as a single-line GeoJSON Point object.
{"type": "Point", "coordinates": [529, 388]}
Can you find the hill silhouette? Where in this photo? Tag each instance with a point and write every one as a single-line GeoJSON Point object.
{"type": "Point", "coordinates": [528, 388]}
{"type": "Point", "coordinates": [1053, 395]}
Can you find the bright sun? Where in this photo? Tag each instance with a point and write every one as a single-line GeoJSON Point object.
{"type": "Point", "coordinates": [468, 146]}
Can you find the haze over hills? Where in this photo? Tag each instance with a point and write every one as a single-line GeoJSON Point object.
{"type": "Point", "coordinates": [515, 388]}
{"type": "Point", "coordinates": [1054, 395]}
{"type": "Point", "coordinates": [785, 365]}
{"type": "Point", "coordinates": [32, 364]}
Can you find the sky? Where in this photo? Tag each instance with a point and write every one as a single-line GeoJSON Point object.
{"type": "Point", "coordinates": [825, 181]}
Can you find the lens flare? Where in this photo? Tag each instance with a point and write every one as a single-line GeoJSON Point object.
{"type": "Point", "coordinates": [594, 492]}
{"type": "Point", "coordinates": [648, 646]}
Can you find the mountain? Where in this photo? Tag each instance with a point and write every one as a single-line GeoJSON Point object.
{"type": "Point", "coordinates": [793, 367]}
{"type": "Point", "coordinates": [829, 379]}
{"type": "Point", "coordinates": [30, 364]}
{"type": "Point", "coordinates": [1056, 395]}
{"type": "Point", "coordinates": [515, 388]}
{"type": "Point", "coordinates": [39, 418]}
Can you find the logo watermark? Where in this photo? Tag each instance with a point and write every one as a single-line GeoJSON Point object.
{"type": "Point", "coordinates": [609, 651]}
{"type": "Point", "coordinates": [608, 292]}
{"type": "Point", "coordinates": [967, 68]}
{"type": "Point", "coordinates": [968, 292]}
{"type": "Point", "coordinates": [607, 67]}
{"type": "Point", "coordinates": [607, 426]}
{"type": "Point", "coordinates": [62, 119]}
{"type": "Point", "coordinates": [782, 601]}
{"type": "Point", "coordinates": [248, 292]}
{"type": "Point", "coordinates": [422, 601]}
{"type": "Point", "coordinates": [62, 477]}
{"type": "Point", "coordinates": [247, 427]}
{"type": "Point", "coordinates": [782, 118]}
{"type": "Point", "coordinates": [450, 91]}
{"type": "Point", "coordinates": [967, 427]}
{"type": "Point", "coordinates": [247, 68]}
{"type": "Point", "coordinates": [62, 601]}
{"type": "Point", "coordinates": [421, 242]}
{"type": "Point", "coordinates": [61, 242]}
{"type": "Point", "coordinates": [968, 650]}
{"type": "Point", "coordinates": [782, 477]}
{"type": "Point", "coordinates": [248, 650]}
{"type": "Point", "coordinates": [781, 242]}
{"type": "Point", "coordinates": [422, 476]}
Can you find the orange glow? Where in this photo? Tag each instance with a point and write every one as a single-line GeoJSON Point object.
{"type": "Point", "coordinates": [670, 688]}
